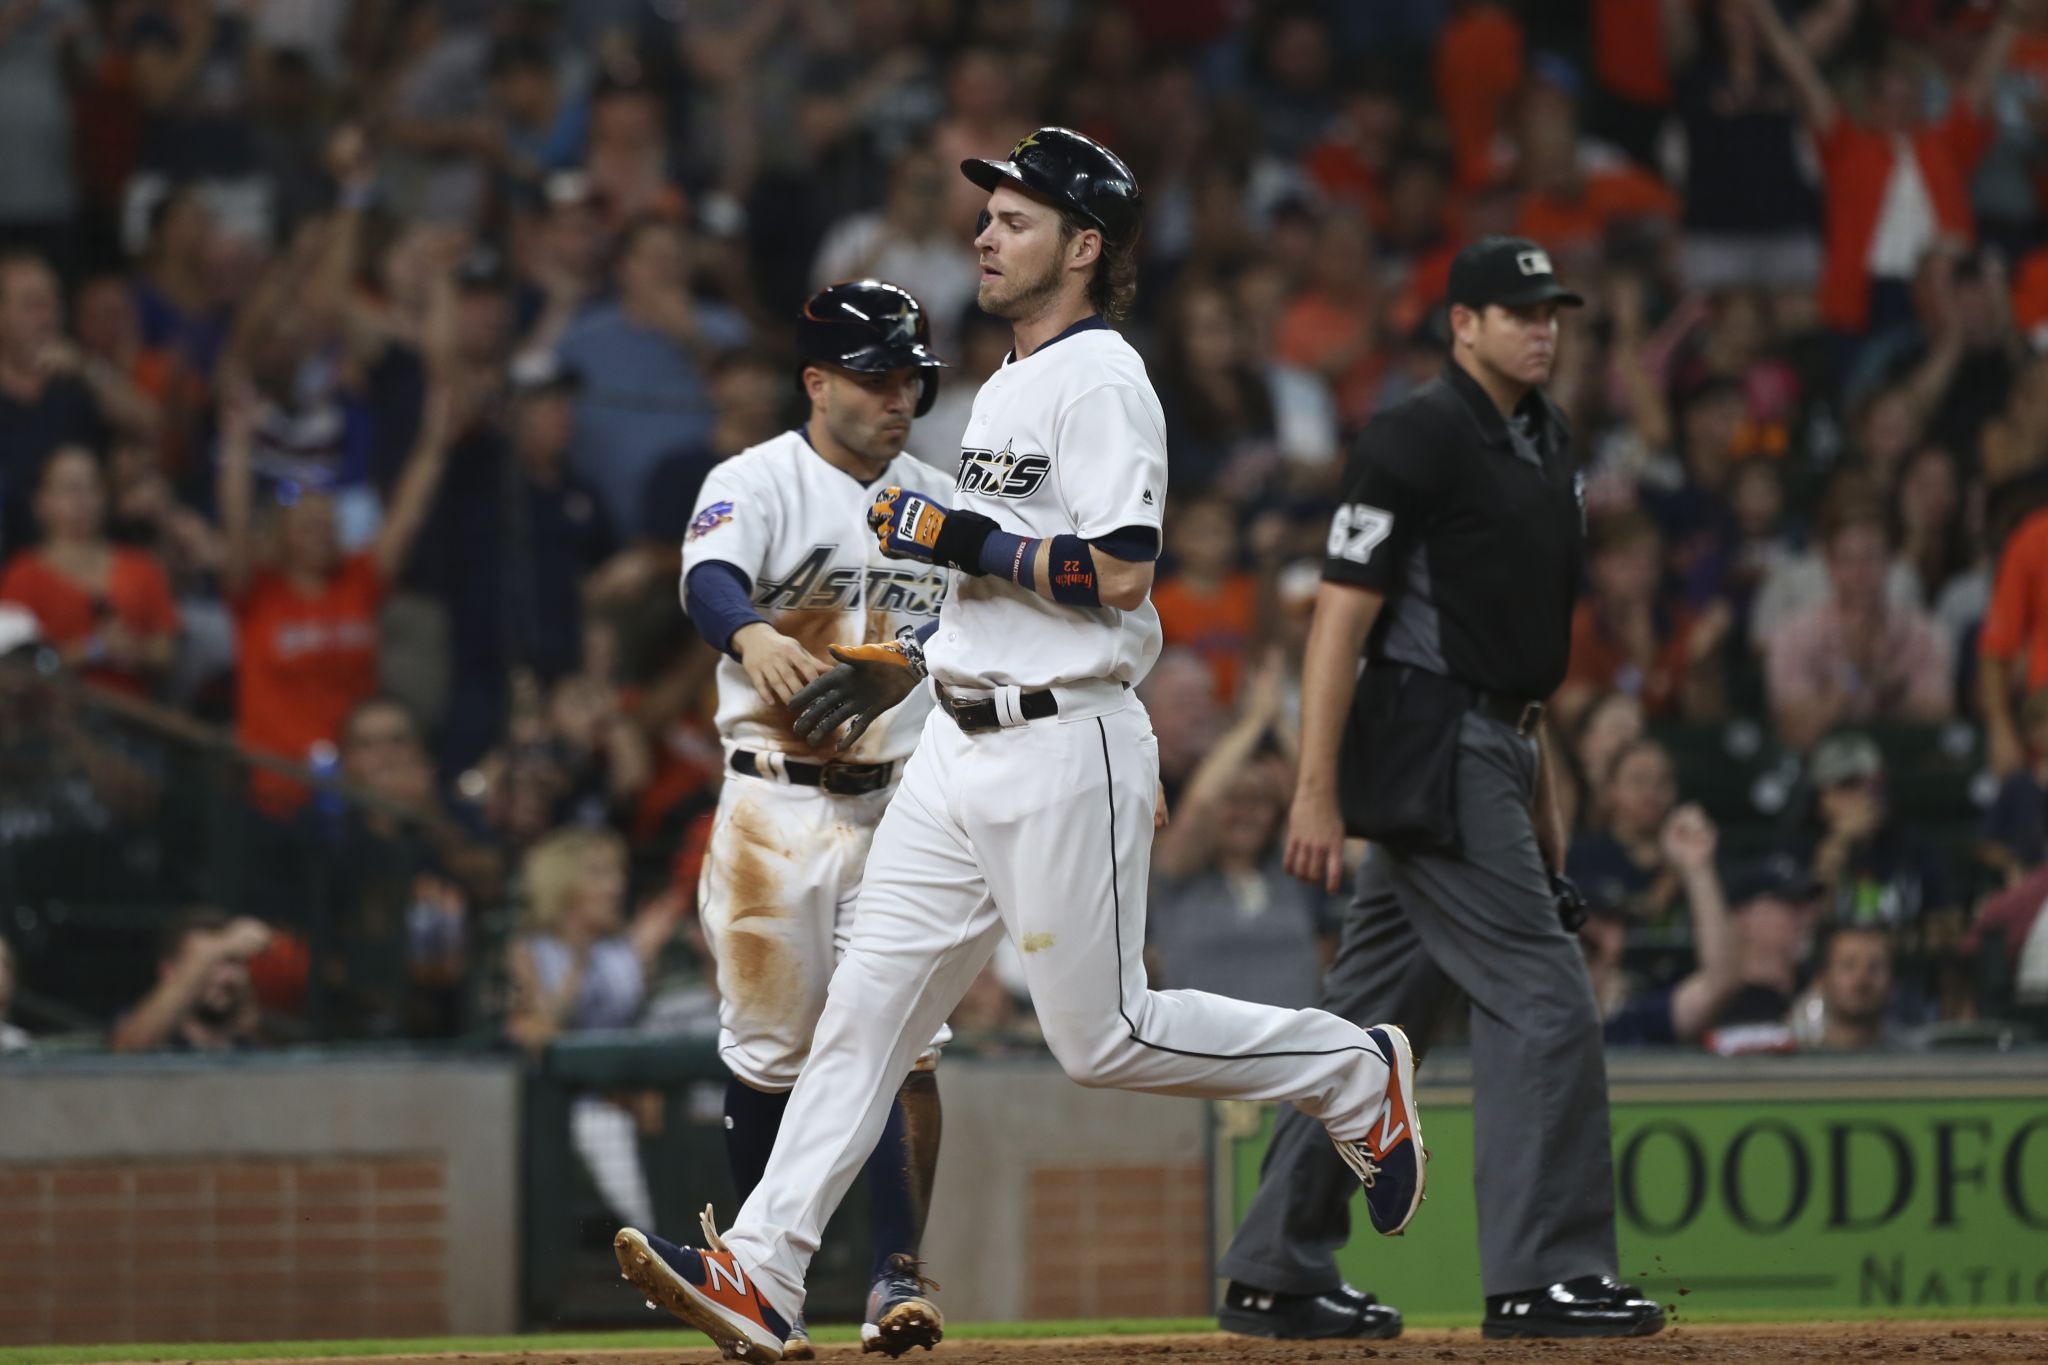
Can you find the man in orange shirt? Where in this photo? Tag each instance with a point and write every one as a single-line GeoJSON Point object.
{"type": "Point", "coordinates": [1567, 204]}
{"type": "Point", "coordinates": [1207, 604]}
{"type": "Point", "coordinates": [306, 615]}
{"type": "Point", "coordinates": [2013, 644]}
{"type": "Point", "coordinates": [1895, 182]}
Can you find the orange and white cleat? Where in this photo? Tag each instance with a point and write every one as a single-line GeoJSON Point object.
{"type": "Point", "coordinates": [707, 1289]}
{"type": "Point", "coordinates": [1390, 1160]}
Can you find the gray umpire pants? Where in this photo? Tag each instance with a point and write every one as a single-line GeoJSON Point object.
{"type": "Point", "coordinates": [1424, 927]}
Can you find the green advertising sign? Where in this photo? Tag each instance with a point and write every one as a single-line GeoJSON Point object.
{"type": "Point", "coordinates": [1733, 1209]}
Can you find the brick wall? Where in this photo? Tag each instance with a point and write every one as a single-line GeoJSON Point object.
{"type": "Point", "coordinates": [1119, 1241]}
{"type": "Point", "coordinates": [248, 1249]}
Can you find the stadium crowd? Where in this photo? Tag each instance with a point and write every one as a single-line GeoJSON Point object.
{"type": "Point", "coordinates": [360, 361]}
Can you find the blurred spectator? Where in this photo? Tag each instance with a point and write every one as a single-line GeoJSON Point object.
{"type": "Point", "coordinates": [12, 1037]}
{"type": "Point", "coordinates": [1751, 215]}
{"type": "Point", "coordinates": [1291, 87]}
{"type": "Point", "coordinates": [1764, 544]}
{"type": "Point", "coordinates": [1574, 196]}
{"type": "Point", "coordinates": [645, 357]}
{"type": "Point", "coordinates": [1219, 414]}
{"type": "Point", "coordinates": [1854, 659]}
{"type": "Point", "coordinates": [412, 897]}
{"type": "Point", "coordinates": [1628, 636]}
{"type": "Point", "coordinates": [192, 65]}
{"type": "Point", "coordinates": [2016, 826]}
{"type": "Point", "coordinates": [1609, 724]}
{"type": "Point", "coordinates": [510, 549]}
{"type": "Point", "coordinates": [1230, 920]}
{"type": "Point", "coordinates": [2011, 926]}
{"type": "Point", "coordinates": [44, 404]}
{"type": "Point", "coordinates": [305, 613]}
{"type": "Point", "coordinates": [1353, 159]}
{"type": "Point", "coordinates": [1796, 583]}
{"type": "Point", "coordinates": [433, 117]}
{"type": "Point", "coordinates": [105, 607]}
{"type": "Point", "coordinates": [2014, 642]}
{"type": "Point", "coordinates": [1896, 182]}
{"type": "Point", "coordinates": [1329, 328]}
{"type": "Point", "coordinates": [167, 396]}
{"type": "Point", "coordinates": [1304, 411]}
{"type": "Point", "coordinates": [578, 963]}
{"type": "Point", "coordinates": [1682, 1012]}
{"type": "Point", "coordinates": [204, 1000]}
{"type": "Point", "coordinates": [1206, 603]}
{"type": "Point", "coordinates": [1773, 905]}
{"type": "Point", "coordinates": [559, 254]}
{"type": "Point", "coordinates": [290, 133]}
{"type": "Point", "coordinates": [541, 124]}
{"type": "Point", "coordinates": [910, 242]}
{"type": "Point", "coordinates": [1626, 859]}
{"type": "Point", "coordinates": [38, 44]}
{"type": "Point", "coordinates": [1854, 989]}
{"type": "Point", "coordinates": [178, 288]}
{"type": "Point", "coordinates": [1478, 68]}
{"type": "Point", "coordinates": [1877, 870]}
{"type": "Point", "coordinates": [1930, 523]}
{"type": "Point", "coordinates": [628, 161]}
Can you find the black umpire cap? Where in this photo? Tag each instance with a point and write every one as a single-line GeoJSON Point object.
{"type": "Point", "coordinates": [1513, 272]}
{"type": "Point", "coordinates": [870, 327]}
{"type": "Point", "coordinates": [1075, 172]}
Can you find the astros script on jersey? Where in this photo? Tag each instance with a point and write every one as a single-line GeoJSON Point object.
{"type": "Point", "coordinates": [797, 528]}
{"type": "Point", "coordinates": [1069, 440]}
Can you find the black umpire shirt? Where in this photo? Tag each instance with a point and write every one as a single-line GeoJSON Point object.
{"type": "Point", "coordinates": [1473, 527]}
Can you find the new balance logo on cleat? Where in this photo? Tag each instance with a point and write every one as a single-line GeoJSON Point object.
{"type": "Point", "coordinates": [707, 1289]}
{"type": "Point", "coordinates": [1390, 1161]}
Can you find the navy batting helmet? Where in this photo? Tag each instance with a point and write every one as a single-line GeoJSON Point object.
{"type": "Point", "coordinates": [872, 327]}
{"type": "Point", "coordinates": [1077, 173]}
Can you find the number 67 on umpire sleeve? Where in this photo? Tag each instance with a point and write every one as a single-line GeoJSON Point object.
{"type": "Point", "coordinates": [1356, 529]}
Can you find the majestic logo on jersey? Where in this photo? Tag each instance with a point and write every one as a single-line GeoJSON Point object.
{"type": "Point", "coordinates": [1001, 473]}
{"type": "Point", "coordinates": [709, 520]}
{"type": "Point", "coordinates": [914, 590]}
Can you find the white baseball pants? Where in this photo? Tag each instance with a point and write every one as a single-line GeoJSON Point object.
{"type": "Point", "coordinates": [776, 898]}
{"type": "Point", "coordinates": [1043, 831]}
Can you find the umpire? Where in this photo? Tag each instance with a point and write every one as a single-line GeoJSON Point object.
{"type": "Point", "coordinates": [1453, 561]}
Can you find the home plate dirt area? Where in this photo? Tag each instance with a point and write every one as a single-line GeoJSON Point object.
{"type": "Point", "coordinates": [1919, 1342]}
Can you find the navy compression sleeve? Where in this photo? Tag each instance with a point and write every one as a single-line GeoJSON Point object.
{"type": "Point", "coordinates": [718, 598]}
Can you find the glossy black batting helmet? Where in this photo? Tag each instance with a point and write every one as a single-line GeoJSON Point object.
{"type": "Point", "coordinates": [1077, 173]}
{"type": "Point", "coordinates": [870, 326]}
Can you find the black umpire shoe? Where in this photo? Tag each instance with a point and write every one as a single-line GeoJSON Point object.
{"type": "Point", "coordinates": [1589, 1306]}
{"type": "Point", "coordinates": [1344, 1312]}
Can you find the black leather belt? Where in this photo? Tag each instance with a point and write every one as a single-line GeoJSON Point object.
{"type": "Point", "coordinates": [1520, 712]}
{"type": "Point", "coordinates": [840, 779]}
{"type": "Point", "coordinates": [981, 714]}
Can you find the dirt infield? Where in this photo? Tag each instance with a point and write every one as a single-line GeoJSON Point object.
{"type": "Point", "coordinates": [1918, 1342]}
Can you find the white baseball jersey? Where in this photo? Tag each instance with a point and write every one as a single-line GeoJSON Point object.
{"type": "Point", "coordinates": [797, 528]}
{"type": "Point", "coordinates": [1069, 440]}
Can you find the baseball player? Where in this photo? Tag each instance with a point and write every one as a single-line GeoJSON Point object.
{"type": "Point", "coordinates": [1027, 807]}
{"type": "Point", "coordinates": [777, 562]}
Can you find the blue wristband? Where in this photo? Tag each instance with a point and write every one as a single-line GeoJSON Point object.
{"type": "Point", "coordinates": [1073, 573]}
{"type": "Point", "coordinates": [1011, 557]}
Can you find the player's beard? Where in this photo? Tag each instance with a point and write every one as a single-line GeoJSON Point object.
{"type": "Point", "coordinates": [1029, 297]}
